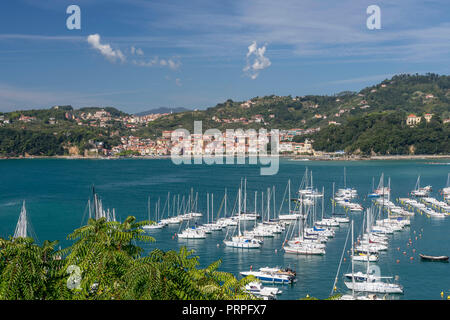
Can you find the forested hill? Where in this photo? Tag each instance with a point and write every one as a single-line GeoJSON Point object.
{"type": "Point", "coordinates": [385, 133]}
{"type": "Point", "coordinates": [404, 94]}
{"type": "Point", "coordinates": [371, 121]}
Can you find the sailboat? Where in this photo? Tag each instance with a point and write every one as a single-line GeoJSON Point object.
{"type": "Point", "coordinates": [241, 241]}
{"type": "Point", "coordinates": [446, 190]}
{"type": "Point", "coordinates": [420, 192]}
{"type": "Point", "coordinates": [211, 226]}
{"type": "Point", "coordinates": [380, 191]}
{"type": "Point", "coordinates": [158, 225]}
{"type": "Point", "coordinates": [372, 283]}
{"type": "Point", "coordinates": [99, 211]}
{"type": "Point", "coordinates": [21, 230]}
{"type": "Point", "coordinates": [291, 215]}
{"type": "Point", "coordinates": [193, 212]}
{"type": "Point", "coordinates": [302, 246]}
{"type": "Point", "coordinates": [346, 193]}
{"type": "Point", "coordinates": [326, 222]}
{"type": "Point", "coordinates": [244, 215]}
{"type": "Point", "coordinates": [353, 277]}
{"type": "Point", "coordinates": [194, 232]}
{"type": "Point", "coordinates": [227, 221]}
{"type": "Point", "coordinates": [341, 218]}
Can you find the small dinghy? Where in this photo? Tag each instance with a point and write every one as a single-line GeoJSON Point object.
{"type": "Point", "coordinates": [433, 258]}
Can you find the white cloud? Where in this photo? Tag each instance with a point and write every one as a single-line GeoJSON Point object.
{"type": "Point", "coordinates": [260, 62]}
{"type": "Point", "coordinates": [137, 51]}
{"type": "Point", "coordinates": [170, 63]}
{"type": "Point", "coordinates": [105, 49]}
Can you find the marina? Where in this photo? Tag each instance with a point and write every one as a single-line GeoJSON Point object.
{"type": "Point", "coordinates": [203, 215]}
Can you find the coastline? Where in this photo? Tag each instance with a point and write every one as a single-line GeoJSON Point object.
{"type": "Point", "coordinates": [284, 156]}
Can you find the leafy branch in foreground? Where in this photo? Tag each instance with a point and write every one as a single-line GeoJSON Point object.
{"type": "Point", "coordinates": [110, 265]}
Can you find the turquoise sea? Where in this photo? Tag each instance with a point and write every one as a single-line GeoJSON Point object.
{"type": "Point", "coordinates": [56, 193]}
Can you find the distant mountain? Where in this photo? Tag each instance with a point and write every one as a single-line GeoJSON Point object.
{"type": "Point", "coordinates": [162, 110]}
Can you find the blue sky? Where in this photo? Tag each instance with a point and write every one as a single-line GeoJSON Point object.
{"type": "Point", "coordinates": [147, 54]}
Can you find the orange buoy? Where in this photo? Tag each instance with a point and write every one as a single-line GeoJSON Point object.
{"type": "Point", "coordinates": [414, 250]}
{"type": "Point", "coordinates": [412, 258]}
{"type": "Point", "coordinates": [345, 259]}
{"type": "Point", "coordinates": [398, 261]}
{"type": "Point", "coordinates": [404, 252]}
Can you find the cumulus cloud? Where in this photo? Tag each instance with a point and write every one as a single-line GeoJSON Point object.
{"type": "Point", "coordinates": [138, 57]}
{"type": "Point", "coordinates": [105, 49]}
{"type": "Point", "coordinates": [256, 61]}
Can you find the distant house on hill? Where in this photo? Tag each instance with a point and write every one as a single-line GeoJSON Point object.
{"type": "Point", "coordinates": [412, 120]}
{"type": "Point", "coordinates": [26, 119]}
{"type": "Point", "coordinates": [428, 117]}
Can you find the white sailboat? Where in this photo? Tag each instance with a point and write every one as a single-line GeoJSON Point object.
{"type": "Point", "coordinates": [341, 218]}
{"type": "Point", "coordinates": [157, 225]}
{"type": "Point", "coordinates": [420, 192]}
{"type": "Point", "coordinates": [301, 246]}
{"type": "Point", "coordinates": [326, 222]}
{"type": "Point", "coordinates": [21, 230]}
{"type": "Point", "coordinates": [241, 241]}
{"type": "Point", "coordinates": [291, 215]}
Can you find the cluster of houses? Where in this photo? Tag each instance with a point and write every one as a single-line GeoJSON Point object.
{"type": "Point", "coordinates": [203, 144]}
{"type": "Point", "coordinates": [102, 118]}
{"type": "Point", "coordinates": [257, 118]}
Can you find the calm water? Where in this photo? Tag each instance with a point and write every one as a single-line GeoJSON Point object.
{"type": "Point", "coordinates": [56, 192]}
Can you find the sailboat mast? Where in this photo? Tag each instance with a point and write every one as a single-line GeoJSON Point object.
{"type": "Point", "coordinates": [345, 178]}
{"type": "Point", "coordinates": [274, 205]}
{"type": "Point", "coordinates": [89, 208]}
{"type": "Point", "coordinates": [207, 207]}
{"type": "Point", "coordinates": [353, 265]}
{"type": "Point", "coordinates": [225, 202]}
{"type": "Point", "coordinates": [323, 199]}
{"type": "Point", "coordinates": [148, 208]}
{"type": "Point", "coordinates": [245, 195]}
{"type": "Point", "coordinates": [239, 211]}
{"type": "Point", "coordinates": [289, 201]}
{"type": "Point", "coordinates": [168, 204]}
{"type": "Point", "coordinates": [332, 207]}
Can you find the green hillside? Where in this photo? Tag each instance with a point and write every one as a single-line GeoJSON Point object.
{"type": "Point", "coordinates": [402, 93]}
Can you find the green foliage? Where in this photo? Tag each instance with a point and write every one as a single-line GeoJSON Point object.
{"type": "Point", "coordinates": [385, 133]}
{"type": "Point", "coordinates": [112, 266]}
{"type": "Point", "coordinates": [18, 142]}
{"type": "Point", "coordinates": [127, 153]}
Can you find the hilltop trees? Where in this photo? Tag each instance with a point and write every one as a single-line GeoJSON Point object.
{"type": "Point", "coordinates": [385, 133]}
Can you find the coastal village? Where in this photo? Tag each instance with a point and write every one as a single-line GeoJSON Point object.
{"type": "Point", "coordinates": [202, 144]}
{"type": "Point", "coordinates": [161, 146]}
